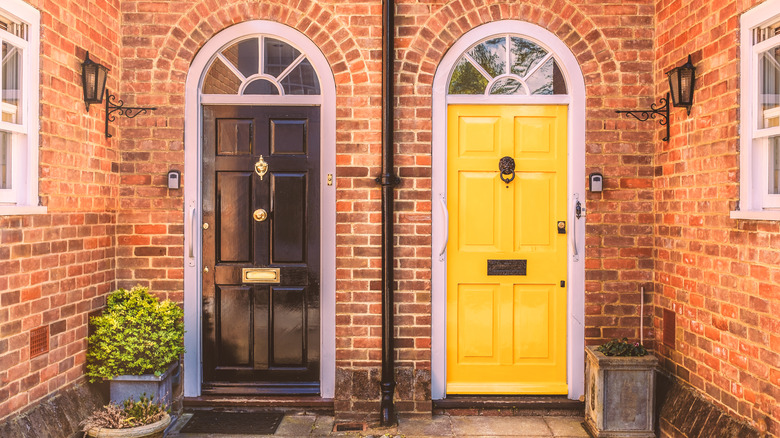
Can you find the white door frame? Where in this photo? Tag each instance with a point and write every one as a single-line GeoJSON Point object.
{"type": "Point", "coordinates": [193, 196]}
{"type": "Point", "coordinates": [575, 100]}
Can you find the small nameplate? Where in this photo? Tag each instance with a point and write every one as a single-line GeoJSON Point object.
{"type": "Point", "coordinates": [506, 267]}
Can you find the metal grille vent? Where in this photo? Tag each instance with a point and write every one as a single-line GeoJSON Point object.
{"type": "Point", "coordinates": [39, 341]}
{"type": "Point", "coordinates": [349, 427]}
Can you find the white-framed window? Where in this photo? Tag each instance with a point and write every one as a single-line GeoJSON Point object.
{"type": "Point", "coordinates": [19, 83]}
{"type": "Point", "coordinates": [760, 113]}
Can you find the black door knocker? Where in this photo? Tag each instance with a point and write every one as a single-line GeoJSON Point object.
{"type": "Point", "coordinates": [507, 167]}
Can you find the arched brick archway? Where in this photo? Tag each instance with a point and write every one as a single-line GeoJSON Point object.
{"type": "Point", "coordinates": [202, 21]}
{"type": "Point", "coordinates": [586, 41]}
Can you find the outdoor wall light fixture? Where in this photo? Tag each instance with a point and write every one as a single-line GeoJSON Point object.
{"type": "Point", "coordinates": [681, 83]}
{"type": "Point", "coordinates": [93, 79]}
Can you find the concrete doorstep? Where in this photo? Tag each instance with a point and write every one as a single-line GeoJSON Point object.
{"type": "Point", "coordinates": [313, 425]}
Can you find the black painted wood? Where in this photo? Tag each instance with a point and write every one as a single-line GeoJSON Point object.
{"type": "Point", "coordinates": [261, 338]}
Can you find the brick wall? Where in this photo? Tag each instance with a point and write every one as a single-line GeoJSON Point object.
{"type": "Point", "coordinates": [124, 227]}
{"type": "Point", "coordinates": [612, 42]}
{"type": "Point", "coordinates": [717, 278]}
{"type": "Point", "coordinates": [55, 268]}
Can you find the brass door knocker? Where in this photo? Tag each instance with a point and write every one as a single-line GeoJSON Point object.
{"type": "Point", "coordinates": [261, 167]}
{"type": "Point", "coordinates": [507, 167]}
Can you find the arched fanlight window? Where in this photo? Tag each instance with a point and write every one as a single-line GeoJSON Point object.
{"type": "Point", "coordinates": [261, 65]}
{"type": "Point", "coordinates": [508, 65]}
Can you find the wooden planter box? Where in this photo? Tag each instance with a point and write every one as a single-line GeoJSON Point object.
{"type": "Point", "coordinates": [619, 395]}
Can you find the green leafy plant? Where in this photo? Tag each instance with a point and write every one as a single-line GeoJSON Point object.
{"type": "Point", "coordinates": [130, 414]}
{"type": "Point", "coordinates": [622, 347]}
{"type": "Point", "coordinates": [136, 334]}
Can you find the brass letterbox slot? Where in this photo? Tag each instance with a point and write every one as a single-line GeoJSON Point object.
{"type": "Point", "coordinates": [260, 275]}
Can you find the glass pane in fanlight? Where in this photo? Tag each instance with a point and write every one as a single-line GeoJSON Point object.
{"type": "Point", "coordinates": [769, 77]}
{"type": "Point", "coordinates": [301, 80]}
{"type": "Point", "coordinates": [774, 165]}
{"type": "Point", "coordinates": [245, 55]}
{"type": "Point", "coordinates": [466, 79]}
{"type": "Point", "coordinates": [5, 160]}
{"type": "Point", "coordinates": [11, 87]}
{"type": "Point", "coordinates": [220, 79]}
{"type": "Point", "coordinates": [507, 86]}
{"type": "Point", "coordinates": [277, 56]}
{"type": "Point", "coordinates": [547, 79]}
{"type": "Point", "coordinates": [491, 55]}
{"type": "Point", "coordinates": [524, 55]}
{"type": "Point", "coordinates": [261, 86]}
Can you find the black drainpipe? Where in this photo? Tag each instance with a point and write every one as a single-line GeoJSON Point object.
{"type": "Point", "coordinates": [388, 181]}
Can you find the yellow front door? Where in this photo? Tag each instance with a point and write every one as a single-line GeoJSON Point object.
{"type": "Point", "coordinates": [506, 259]}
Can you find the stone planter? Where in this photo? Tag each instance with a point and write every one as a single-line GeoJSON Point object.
{"type": "Point", "coordinates": [161, 387]}
{"type": "Point", "coordinates": [154, 430]}
{"type": "Point", "coordinates": [619, 395]}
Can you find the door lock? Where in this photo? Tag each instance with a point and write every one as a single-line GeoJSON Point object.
{"type": "Point", "coordinates": [561, 227]}
{"type": "Point", "coordinates": [260, 215]}
{"type": "Point", "coordinates": [261, 167]}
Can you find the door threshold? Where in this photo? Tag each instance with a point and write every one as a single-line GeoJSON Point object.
{"type": "Point", "coordinates": [313, 403]}
{"type": "Point", "coordinates": [508, 405]}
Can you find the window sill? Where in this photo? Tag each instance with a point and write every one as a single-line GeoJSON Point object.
{"type": "Point", "coordinates": [759, 215]}
{"type": "Point", "coordinates": [17, 210]}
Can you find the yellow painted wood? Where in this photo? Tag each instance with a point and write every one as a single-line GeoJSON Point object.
{"type": "Point", "coordinates": [506, 334]}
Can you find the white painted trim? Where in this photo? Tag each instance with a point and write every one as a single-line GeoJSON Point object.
{"type": "Point", "coordinates": [576, 187]}
{"type": "Point", "coordinates": [192, 195]}
{"type": "Point", "coordinates": [754, 198]}
{"type": "Point", "coordinates": [260, 99]}
{"type": "Point", "coordinates": [24, 150]}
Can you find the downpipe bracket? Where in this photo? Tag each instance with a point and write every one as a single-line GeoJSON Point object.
{"type": "Point", "coordinates": [388, 179]}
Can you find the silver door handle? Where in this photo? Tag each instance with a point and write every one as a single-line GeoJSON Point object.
{"type": "Point", "coordinates": [192, 233]}
{"type": "Point", "coordinates": [446, 236]}
{"type": "Point", "coordinates": [577, 207]}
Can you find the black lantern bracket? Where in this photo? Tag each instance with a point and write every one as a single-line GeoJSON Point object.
{"type": "Point", "coordinates": [93, 80]}
{"type": "Point", "coordinates": [114, 105]}
{"type": "Point", "coordinates": [655, 110]}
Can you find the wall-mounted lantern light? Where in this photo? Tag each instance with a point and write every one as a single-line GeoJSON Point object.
{"type": "Point", "coordinates": [93, 79]}
{"type": "Point", "coordinates": [681, 84]}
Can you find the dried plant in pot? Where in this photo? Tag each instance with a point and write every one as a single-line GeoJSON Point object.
{"type": "Point", "coordinates": [132, 419]}
{"type": "Point", "coordinates": [136, 345]}
{"type": "Point", "coordinates": [620, 390]}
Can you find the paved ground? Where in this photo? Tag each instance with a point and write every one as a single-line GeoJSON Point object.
{"type": "Point", "coordinates": [310, 425]}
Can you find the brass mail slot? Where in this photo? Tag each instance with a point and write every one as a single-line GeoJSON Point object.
{"type": "Point", "coordinates": [260, 275]}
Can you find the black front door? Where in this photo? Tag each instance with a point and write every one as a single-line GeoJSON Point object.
{"type": "Point", "coordinates": [261, 254]}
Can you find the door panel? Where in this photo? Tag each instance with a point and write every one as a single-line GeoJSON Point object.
{"type": "Point", "coordinates": [261, 337]}
{"type": "Point", "coordinates": [506, 328]}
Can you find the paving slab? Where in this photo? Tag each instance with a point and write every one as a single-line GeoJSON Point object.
{"type": "Point", "coordinates": [500, 426]}
{"type": "Point", "coordinates": [296, 425]}
{"type": "Point", "coordinates": [437, 425]}
{"type": "Point", "coordinates": [566, 426]}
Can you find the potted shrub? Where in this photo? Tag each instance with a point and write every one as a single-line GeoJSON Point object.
{"type": "Point", "coordinates": [133, 419]}
{"type": "Point", "coordinates": [136, 345]}
{"type": "Point", "coordinates": [620, 390]}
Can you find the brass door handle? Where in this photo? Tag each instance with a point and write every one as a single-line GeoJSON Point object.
{"type": "Point", "coordinates": [261, 167]}
{"type": "Point", "coordinates": [260, 215]}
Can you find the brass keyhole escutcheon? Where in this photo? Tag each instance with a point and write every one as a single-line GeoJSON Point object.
{"type": "Point", "coordinates": [260, 215]}
{"type": "Point", "coordinates": [261, 167]}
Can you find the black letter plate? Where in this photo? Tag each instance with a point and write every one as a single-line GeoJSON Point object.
{"type": "Point", "coordinates": [506, 267]}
